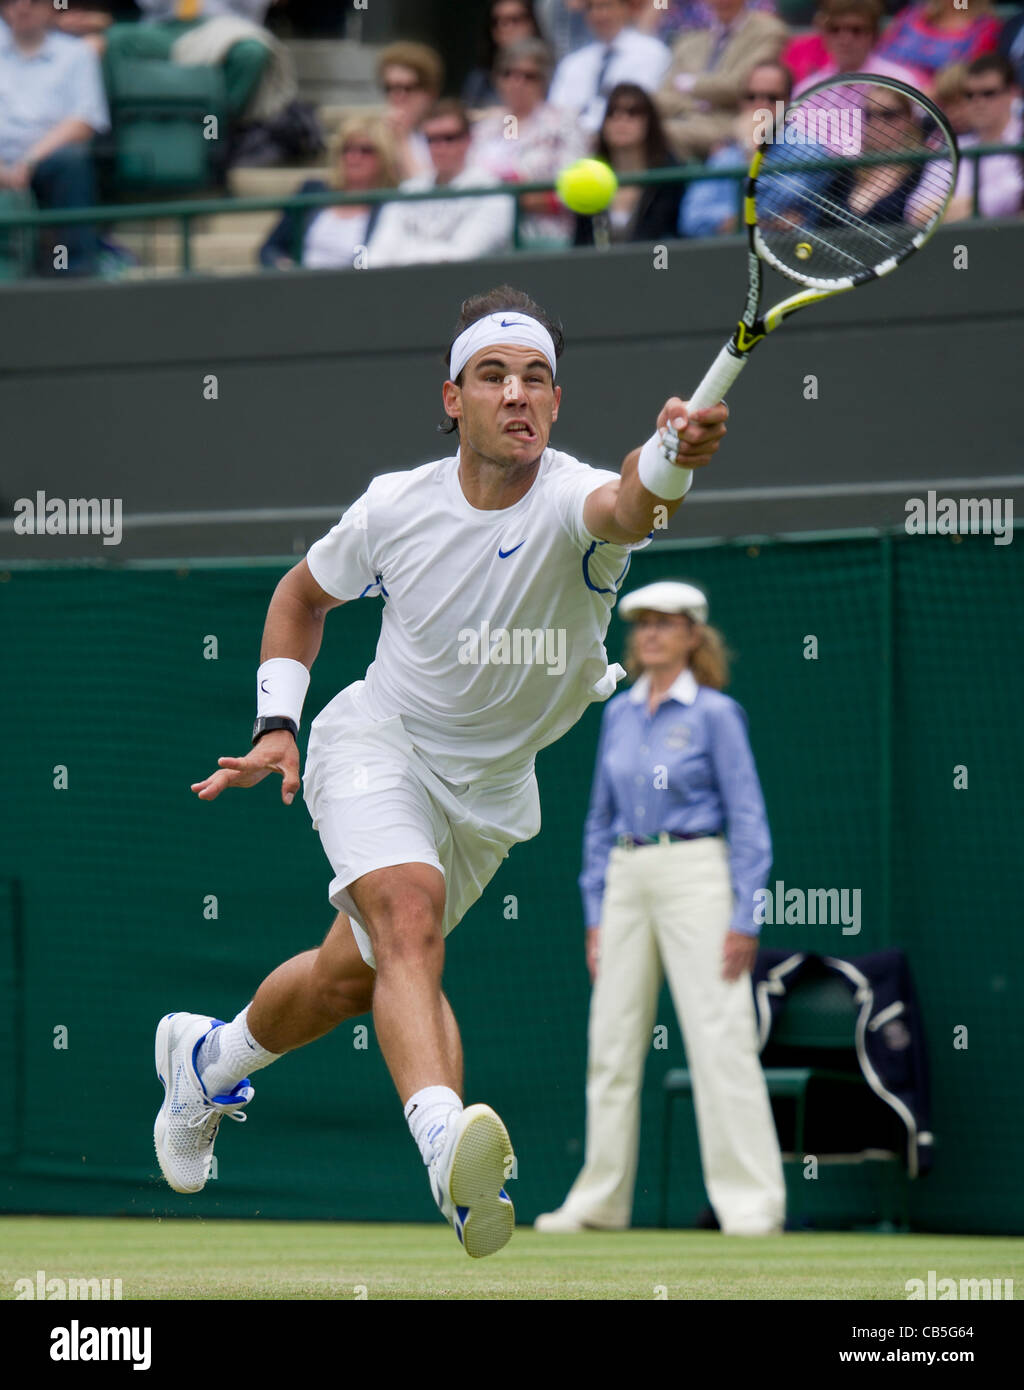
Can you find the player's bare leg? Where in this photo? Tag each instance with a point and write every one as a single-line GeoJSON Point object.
{"type": "Point", "coordinates": [309, 995]}
{"type": "Point", "coordinates": [403, 907]}
{"type": "Point", "coordinates": [313, 992]}
{"type": "Point", "coordinates": [467, 1150]}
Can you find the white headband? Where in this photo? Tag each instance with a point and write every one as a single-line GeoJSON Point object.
{"type": "Point", "coordinates": [507, 327]}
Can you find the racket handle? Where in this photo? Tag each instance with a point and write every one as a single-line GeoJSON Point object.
{"type": "Point", "coordinates": [717, 380]}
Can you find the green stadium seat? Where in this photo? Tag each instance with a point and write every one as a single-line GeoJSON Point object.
{"type": "Point", "coordinates": [798, 14]}
{"type": "Point", "coordinates": [819, 1015]}
{"type": "Point", "coordinates": [159, 111]}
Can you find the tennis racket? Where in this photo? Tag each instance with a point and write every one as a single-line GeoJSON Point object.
{"type": "Point", "coordinates": [832, 229]}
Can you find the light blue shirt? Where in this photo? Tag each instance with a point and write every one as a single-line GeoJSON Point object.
{"type": "Point", "coordinates": [707, 203]}
{"type": "Point", "coordinates": [688, 768]}
{"type": "Point", "coordinates": [61, 79]}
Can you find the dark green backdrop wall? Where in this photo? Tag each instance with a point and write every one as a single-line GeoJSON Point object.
{"type": "Point", "coordinates": [919, 670]}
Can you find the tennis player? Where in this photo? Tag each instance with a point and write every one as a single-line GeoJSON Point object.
{"type": "Point", "coordinates": [498, 568]}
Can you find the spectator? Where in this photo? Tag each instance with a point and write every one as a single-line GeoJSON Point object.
{"type": "Point", "coordinates": [1011, 45]}
{"type": "Point", "coordinates": [540, 140]}
{"type": "Point", "coordinates": [632, 141]}
{"type": "Point", "coordinates": [619, 54]}
{"type": "Point", "coordinates": [699, 97]}
{"type": "Point", "coordinates": [51, 105]}
{"type": "Point", "coordinates": [710, 207]}
{"type": "Point", "coordinates": [880, 191]}
{"type": "Point", "coordinates": [455, 229]}
{"type": "Point", "coordinates": [508, 22]}
{"type": "Point", "coordinates": [933, 33]}
{"type": "Point", "coordinates": [680, 15]}
{"type": "Point", "coordinates": [991, 98]}
{"type": "Point", "coordinates": [564, 24]}
{"type": "Point", "coordinates": [411, 76]}
{"type": "Point", "coordinates": [258, 76]}
{"type": "Point", "coordinates": [363, 156]}
{"type": "Point", "coordinates": [850, 29]}
{"type": "Point", "coordinates": [87, 20]}
{"type": "Point", "coordinates": [950, 94]}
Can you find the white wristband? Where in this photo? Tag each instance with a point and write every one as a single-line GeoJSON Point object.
{"type": "Point", "coordinates": [656, 470]}
{"type": "Point", "coordinates": [281, 686]}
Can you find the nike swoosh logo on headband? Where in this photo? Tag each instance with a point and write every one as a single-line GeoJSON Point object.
{"type": "Point", "coordinates": [511, 323]}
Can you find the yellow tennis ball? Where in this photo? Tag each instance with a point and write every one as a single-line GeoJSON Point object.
{"type": "Point", "coordinates": [587, 186]}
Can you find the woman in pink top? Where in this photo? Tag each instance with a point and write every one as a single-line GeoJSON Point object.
{"type": "Point", "coordinates": [934, 33]}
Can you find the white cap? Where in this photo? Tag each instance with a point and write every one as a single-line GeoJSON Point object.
{"type": "Point", "coordinates": [666, 596]}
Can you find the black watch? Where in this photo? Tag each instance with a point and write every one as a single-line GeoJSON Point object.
{"type": "Point", "coordinates": [276, 721]}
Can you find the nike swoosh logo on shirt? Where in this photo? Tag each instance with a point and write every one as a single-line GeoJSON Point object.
{"type": "Point", "coordinates": [504, 554]}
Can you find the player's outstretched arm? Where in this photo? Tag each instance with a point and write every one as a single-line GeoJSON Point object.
{"type": "Point", "coordinates": [294, 628]}
{"type": "Point", "coordinates": [627, 510]}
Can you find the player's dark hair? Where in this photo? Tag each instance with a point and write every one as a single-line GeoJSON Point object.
{"type": "Point", "coordinates": [657, 154]}
{"type": "Point", "coordinates": [498, 301]}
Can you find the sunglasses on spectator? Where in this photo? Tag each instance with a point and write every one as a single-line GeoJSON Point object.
{"type": "Point", "coordinates": [448, 138]}
{"type": "Point", "coordinates": [405, 87]}
{"type": "Point", "coordinates": [884, 113]}
{"type": "Point", "coordinates": [767, 97]}
{"type": "Point", "coordinates": [359, 149]}
{"type": "Point", "coordinates": [983, 92]}
{"type": "Point", "coordinates": [501, 21]}
{"type": "Point", "coordinates": [527, 74]}
{"type": "Point", "coordinates": [627, 111]}
{"type": "Point", "coordinates": [856, 31]}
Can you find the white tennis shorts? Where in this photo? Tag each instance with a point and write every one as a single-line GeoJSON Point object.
{"type": "Point", "coordinates": [376, 803]}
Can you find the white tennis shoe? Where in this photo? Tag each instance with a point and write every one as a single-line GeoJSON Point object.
{"type": "Point", "coordinates": [188, 1121]}
{"type": "Point", "coordinates": [560, 1223]}
{"type": "Point", "coordinates": [467, 1179]}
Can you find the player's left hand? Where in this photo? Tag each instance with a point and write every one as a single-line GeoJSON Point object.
{"type": "Point", "coordinates": [739, 955]}
{"type": "Point", "coordinates": [699, 434]}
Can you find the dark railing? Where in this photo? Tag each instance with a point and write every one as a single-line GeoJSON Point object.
{"type": "Point", "coordinates": [188, 210]}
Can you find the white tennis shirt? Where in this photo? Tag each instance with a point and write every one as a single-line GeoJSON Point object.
{"type": "Point", "coordinates": [492, 635]}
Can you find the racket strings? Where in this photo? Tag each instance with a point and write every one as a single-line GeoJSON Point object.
{"type": "Point", "coordinates": [818, 223]}
{"type": "Point", "coordinates": [834, 211]}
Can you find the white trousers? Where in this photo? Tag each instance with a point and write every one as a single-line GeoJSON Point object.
{"type": "Point", "coordinates": [668, 907]}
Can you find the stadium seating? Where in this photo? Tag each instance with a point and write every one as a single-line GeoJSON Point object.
{"type": "Point", "coordinates": [158, 113]}
{"type": "Point", "coordinates": [819, 1018]}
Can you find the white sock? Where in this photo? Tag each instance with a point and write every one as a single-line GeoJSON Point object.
{"type": "Point", "coordinates": [428, 1113]}
{"type": "Point", "coordinates": [229, 1054]}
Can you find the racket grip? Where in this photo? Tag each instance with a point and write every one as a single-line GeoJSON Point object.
{"type": "Point", "coordinates": [717, 380]}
